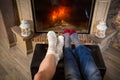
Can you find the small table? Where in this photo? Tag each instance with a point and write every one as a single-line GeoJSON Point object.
{"type": "Point", "coordinates": [104, 42]}
{"type": "Point", "coordinates": [40, 52]}
{"type": "Point", "coordinates": [23, 43]}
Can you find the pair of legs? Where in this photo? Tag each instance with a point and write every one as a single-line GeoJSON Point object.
{"type": "Point", "coordinates": [48, 66]}
{"type": "Point", "coordinates": [84, 58]}
{"type": "Point", "coordinates": [54, 53]}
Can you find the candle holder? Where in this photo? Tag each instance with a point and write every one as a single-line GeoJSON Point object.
{"type": "Point", "coordinates": [101, 29]}
{"type": "Point", "coordinates": [25, 28]}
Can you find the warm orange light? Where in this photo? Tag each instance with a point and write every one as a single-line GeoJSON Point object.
{"type": "Point", "coordinates": [59, 13]}
{"type": "Point", "coordinates": [54, 16]}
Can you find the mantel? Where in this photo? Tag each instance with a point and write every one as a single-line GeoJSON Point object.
{"type": "Point", "coordinates": [17, 31]}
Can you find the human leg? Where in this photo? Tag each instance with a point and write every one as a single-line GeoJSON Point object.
{"type": "Point", "coordinates": [47, 68]}
{"type": "Point", "coordinates": [48, 65]}
{"type": "Point", "coordinates": [86, 60]}
{"type": "Point", "coordinates": [87, 63]}
{"type": "Point", "coordinates": [70, 65]}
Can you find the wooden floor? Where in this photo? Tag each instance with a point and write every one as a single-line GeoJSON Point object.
{"type": "Point", "coordinates": [14, 65]}
{"type": "Point", "coordinates": [112, 60]}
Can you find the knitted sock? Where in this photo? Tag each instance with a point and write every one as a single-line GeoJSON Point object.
{"type": "Point", "coordinates": [74, 38]}
{"type": "Point", "coordinates": [67, 38]}
{"type": "Point", "coordinates": [52, 42]}
{"type": "Point", "coordinates": [60, 47]}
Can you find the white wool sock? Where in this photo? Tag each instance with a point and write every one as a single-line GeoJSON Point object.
{"type": "Point", "coordinates": [52, 42]}
{"type": "Point", "coordinates": [53, 47]}
{"type": "Point", "coordinates": [60, 47]}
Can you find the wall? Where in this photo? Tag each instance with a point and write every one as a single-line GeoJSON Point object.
{"type": "Point", "coordinates": [3, 34]}
{"type": "Point", "coordinates": [24, 8]}
{"type": "Point", "coordinates": [113, 11]}
{"type": "Point", "coordinates": [8, 20]}
{"type": "Point", "coordinates": [100, 13]}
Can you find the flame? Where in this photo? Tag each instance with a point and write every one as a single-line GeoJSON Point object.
{"type": "Point", "coordinates": [59, 13]}
{"type": "Point", "coordinates": [54, 16]}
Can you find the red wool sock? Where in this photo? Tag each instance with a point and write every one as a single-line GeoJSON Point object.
{"type": "Point", "coordinates": [72, 31]}
{"type": "Point", "coordinates": [66, 31]}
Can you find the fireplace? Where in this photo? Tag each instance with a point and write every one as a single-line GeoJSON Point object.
{"type": "Point", "coordinates": [100, 10]}
{"type": "Point", "coordinates": [60, 14]}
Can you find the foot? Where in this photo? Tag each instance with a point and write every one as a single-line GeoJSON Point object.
{"type": "Point", "coordinates": [67, 38]}
{"type": "Point", "coordinates": [72, 32]}
{"type": "Point", "coordinates": [74, 38]}
{"type": "Point", "coordinates": [66, 31]}
{"type": "Point", "coordinates": [52, 42]}
{"type": "Point", "coordinates": [60, 46]}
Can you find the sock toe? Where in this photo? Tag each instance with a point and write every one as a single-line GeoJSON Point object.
{"type": "Point", "coordinates": [72, 32]}
{"type": "Point", "coordinates": [52, 36]}
{"type": "Point", "coordinates": [52, 41]}
{"type": "Point", "coordinates": [66, 31]}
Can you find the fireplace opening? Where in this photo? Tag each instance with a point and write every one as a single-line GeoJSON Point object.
{"type": "Point", "coordinates": [60, 14]}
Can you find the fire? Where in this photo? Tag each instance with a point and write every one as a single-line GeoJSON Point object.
{"type": "Point", "coordinates": [59, 13]}
{"type": "Point", "coordinates": [54, 16]}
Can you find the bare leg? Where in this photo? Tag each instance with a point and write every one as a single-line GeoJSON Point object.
{"type": "Point", "coordinates": [48, 66]}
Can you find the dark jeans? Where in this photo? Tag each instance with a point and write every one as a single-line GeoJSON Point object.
{"type": "Point", "coordinates": [80, 56]}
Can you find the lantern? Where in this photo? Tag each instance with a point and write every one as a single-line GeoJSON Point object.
{"type": "Point", "coordinates": [101, 29]}
{"type": "Point", "coordinates": [25, 28]}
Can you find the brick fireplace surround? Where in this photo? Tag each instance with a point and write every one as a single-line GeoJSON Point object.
{"type": "Point", "coordinates": [100, 13]}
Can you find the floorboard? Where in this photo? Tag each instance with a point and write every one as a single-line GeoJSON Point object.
{"type": "Point", "coordinates": [14, 65]}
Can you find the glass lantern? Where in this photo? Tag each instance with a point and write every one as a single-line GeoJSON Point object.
{"type": "Point", "coordinates": [101, 29]}
{"type": "Point", "coordinates": [25, 28]}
